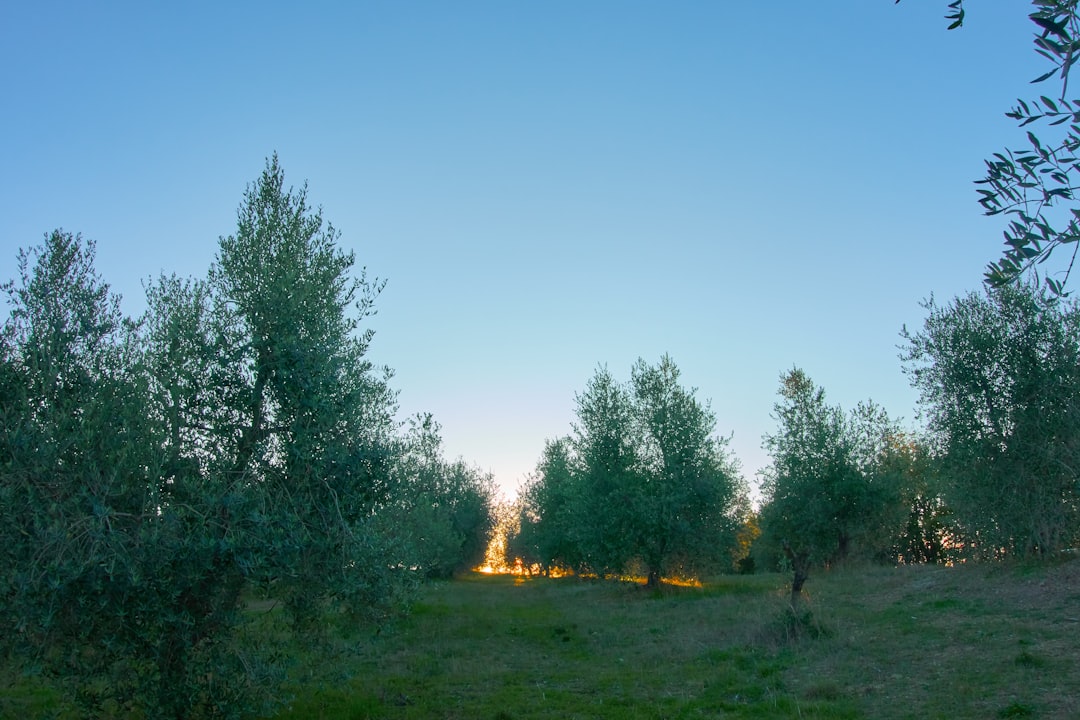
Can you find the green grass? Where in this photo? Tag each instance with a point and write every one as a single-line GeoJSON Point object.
{"type": "Point", "coordinates": [499, 647]}
{"type": "Point", "coordinates": [923, 642]}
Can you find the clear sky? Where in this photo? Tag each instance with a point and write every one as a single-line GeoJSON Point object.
{"type": "Point", "coordinates": [547, 187]}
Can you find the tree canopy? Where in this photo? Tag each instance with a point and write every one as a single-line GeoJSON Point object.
{"type": "Point", "coordinates": [999, 378]}
{"type": "Point", "coordinates": [235, 442]}
{"type": "Point", "coordinates": [830, 491]}
{"type": "Point", "coordinates": [643, 485]}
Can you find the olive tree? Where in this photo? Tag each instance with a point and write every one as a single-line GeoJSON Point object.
{"type": "Point", "coordinates": [111, 585]}
{"type": "Point", "coordinates": [827, 493]}
{"type": "Point", "coordinates": [313, 417]}
{"type": "Point", "coordinates": [548, 528]}
{"type": "Point", "coordinates": [999, 380]}
{"type": "Point", "coordinates": [443, 510]}
{"type": "Point", "coordinates": [686, 509]}
{"type": "Point", "coordinates": [150, 473]}
{"type": "Point", "coordinates": [642, 486]}
{"type": "Point", "coordinates": [608, 475]}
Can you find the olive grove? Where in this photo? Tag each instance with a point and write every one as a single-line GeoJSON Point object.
{"type": "Point", "coordinates": [642, 486]}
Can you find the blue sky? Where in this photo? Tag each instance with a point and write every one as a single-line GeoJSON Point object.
{"type": "Point", "coordinates": [547, 187]}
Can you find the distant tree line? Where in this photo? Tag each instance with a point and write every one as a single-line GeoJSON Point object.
{"type": "Point", "coordinates": [643, 486]}
{"type": "Point", "coordinates": [995, 472]}
{"type": "Point", "coordinates": [232, 443]}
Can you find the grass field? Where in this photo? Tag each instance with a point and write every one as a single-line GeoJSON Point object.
{"type": "Point", "coordinates": [976, 641]}
{"type": "Point", "coordinates": [919, 642]}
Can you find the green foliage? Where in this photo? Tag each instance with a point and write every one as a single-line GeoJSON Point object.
{"type": "Point", "coordinates": [998, 375]}
{"type": "Point", "coordinates": [835, 487]}
{"type": "Point", "coordinates": [548, 532]}
{"type": "Point", "coordinates": [443, 511]}
{"type": "Point", "coordinates": [608, 475]}
{"type": "Point", "coordinates": [313, 420]}
{"type": "Point", "coordinates": [688, 507]}
{"type": "Point", "coordinates": [793, 624]}
{"type": "Point", "coordinates": [642, 486]}
{"type": "Point", "coordinates": [1032, 185]}
{"type": "Point", "coordinates": [106, 584]}
{"type": "Point", "coordinates": [235, 442]}
{"type": "Point", "coordinates": [929, 534]}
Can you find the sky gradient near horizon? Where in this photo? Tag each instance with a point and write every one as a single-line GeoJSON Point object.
{"type": "Point", "coordinates": [547, 188]}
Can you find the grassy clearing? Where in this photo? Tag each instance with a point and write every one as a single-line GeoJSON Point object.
{"type": "Point", "coordinates": [920, 642]}
{"type": "Point", "coordinates": [502, 647]}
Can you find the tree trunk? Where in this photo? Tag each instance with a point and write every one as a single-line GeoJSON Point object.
{"type": "Point", "coordinates": [250, 435]}
{"type": "Point", "coordinates": [842, 545]}
{"type": "Point", "coordinates": [653, 581]}
{"type": "Point", "coordinates": [800, 563]}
